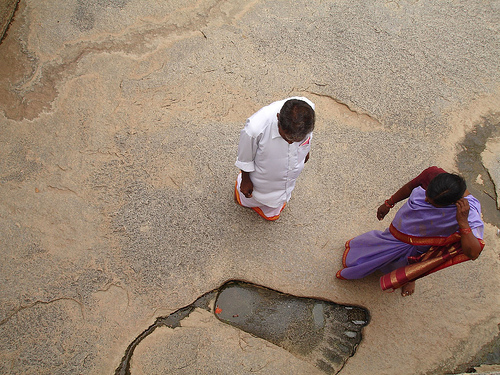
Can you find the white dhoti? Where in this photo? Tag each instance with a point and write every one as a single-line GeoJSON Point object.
{"type": "Point", "coordinates": [268, 213]}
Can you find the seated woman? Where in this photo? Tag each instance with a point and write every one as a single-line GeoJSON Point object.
{"type": "Point", "coordinates": [440, 225]}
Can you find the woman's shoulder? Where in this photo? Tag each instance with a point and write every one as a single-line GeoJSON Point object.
{"type": "Point", "coordinates": [426, 176]}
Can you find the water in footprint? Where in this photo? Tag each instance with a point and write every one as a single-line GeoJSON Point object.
{"type": "Point", "coordinates": [320, 332]}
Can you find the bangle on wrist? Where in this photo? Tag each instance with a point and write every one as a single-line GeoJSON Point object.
{"type": "Point", "coordinates": [388, 204]}
{"type": "Point", "coordinates": [465, 230]}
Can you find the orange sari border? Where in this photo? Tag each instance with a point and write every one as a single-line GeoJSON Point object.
{"type": "Point", "coordinates": [435, 259]}
{"type": "Point", "coordinates": [346, 251]}
{"type": "Point", "coordinates": [344, 257]}
{"type": "Point", "coordinates": [423, 241]}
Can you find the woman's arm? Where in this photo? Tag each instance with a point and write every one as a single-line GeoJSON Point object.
{"type": "Point", "coordinates": [470, 244]}
{"type": "Point", "coordinates": [423, 179]}
{"type": "Point", "coordinates": [401, 194]}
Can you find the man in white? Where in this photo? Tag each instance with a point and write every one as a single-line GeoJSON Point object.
{"type": "Point", "coordinates": [273, 148]}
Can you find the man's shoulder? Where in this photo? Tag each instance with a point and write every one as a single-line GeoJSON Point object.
{"type": "Point", "coordinates": [263, 118]}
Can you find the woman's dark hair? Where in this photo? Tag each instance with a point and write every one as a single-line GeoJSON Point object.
{"type": "Point", "coordinates": [297, 118]}
{"type": "Point", "coordinates": [446, 189]}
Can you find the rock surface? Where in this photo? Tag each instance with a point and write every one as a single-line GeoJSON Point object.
{"type": "Point", "coordinates": [7, 10]}
{"type": "Point", "coordinates": [119, 126]}
{"type": "Point", "coordinates": [491, 160]}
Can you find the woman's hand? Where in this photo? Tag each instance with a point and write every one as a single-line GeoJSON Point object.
{"type": "Point", "coordinates": [403, 193]}
{"type": "Point", "coordinates": [382, 211]}
{"type": "Point", "coordinates": [470, 244]}
{"type": "Point", "coordinates": [463, 212]}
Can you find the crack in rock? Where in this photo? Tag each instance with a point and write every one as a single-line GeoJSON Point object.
{"type": "Point", "coordinates": [345, 112]}
{"type": "Point", "coordinates": [7, 11]}
{"type": "Point", "coordinates": [470, 165]}
{"type": "Point", "coordinates": [31, 305]}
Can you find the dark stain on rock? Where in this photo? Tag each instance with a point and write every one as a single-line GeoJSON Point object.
{"type": "Point", "coordinates": [84, 16]}
{"type": "Point", "coordinates": [319, 332]}
{"type": "Point", "coordinates": [470, 165]}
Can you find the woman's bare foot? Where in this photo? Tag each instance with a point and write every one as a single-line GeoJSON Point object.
{"type": "Point", "coordinates": [408, 289]}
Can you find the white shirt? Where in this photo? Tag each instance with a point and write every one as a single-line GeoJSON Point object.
{"type": "Point", "coordinates": [273, 163]}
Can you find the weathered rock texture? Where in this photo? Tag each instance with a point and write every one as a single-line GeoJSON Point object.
{"type": "Point", "coordinates": [7, 10]}
{"type": "Point", "coordinates": [119, 126]}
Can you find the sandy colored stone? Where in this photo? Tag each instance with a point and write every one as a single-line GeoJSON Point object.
{"type": "Point", "coordinates": [119, 127]}
{"type": "Point", "coordinates": [205, 345]}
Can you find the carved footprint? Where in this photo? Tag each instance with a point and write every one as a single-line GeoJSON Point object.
{"type": "Point", "coordinates": [319, 332]}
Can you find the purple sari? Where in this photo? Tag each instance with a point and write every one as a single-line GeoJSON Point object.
{"type": "Point", "coordinates": [422, 225]}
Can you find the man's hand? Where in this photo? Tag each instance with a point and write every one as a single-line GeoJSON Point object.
{"type": "Point", "coordinates": [382, 211]}
{"type": "Point", "coordinates": [246, 186]}
{"type": "Point", "coordinates": [307, 158]}
{"type": "Point", "coordinates": [462, 212]}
